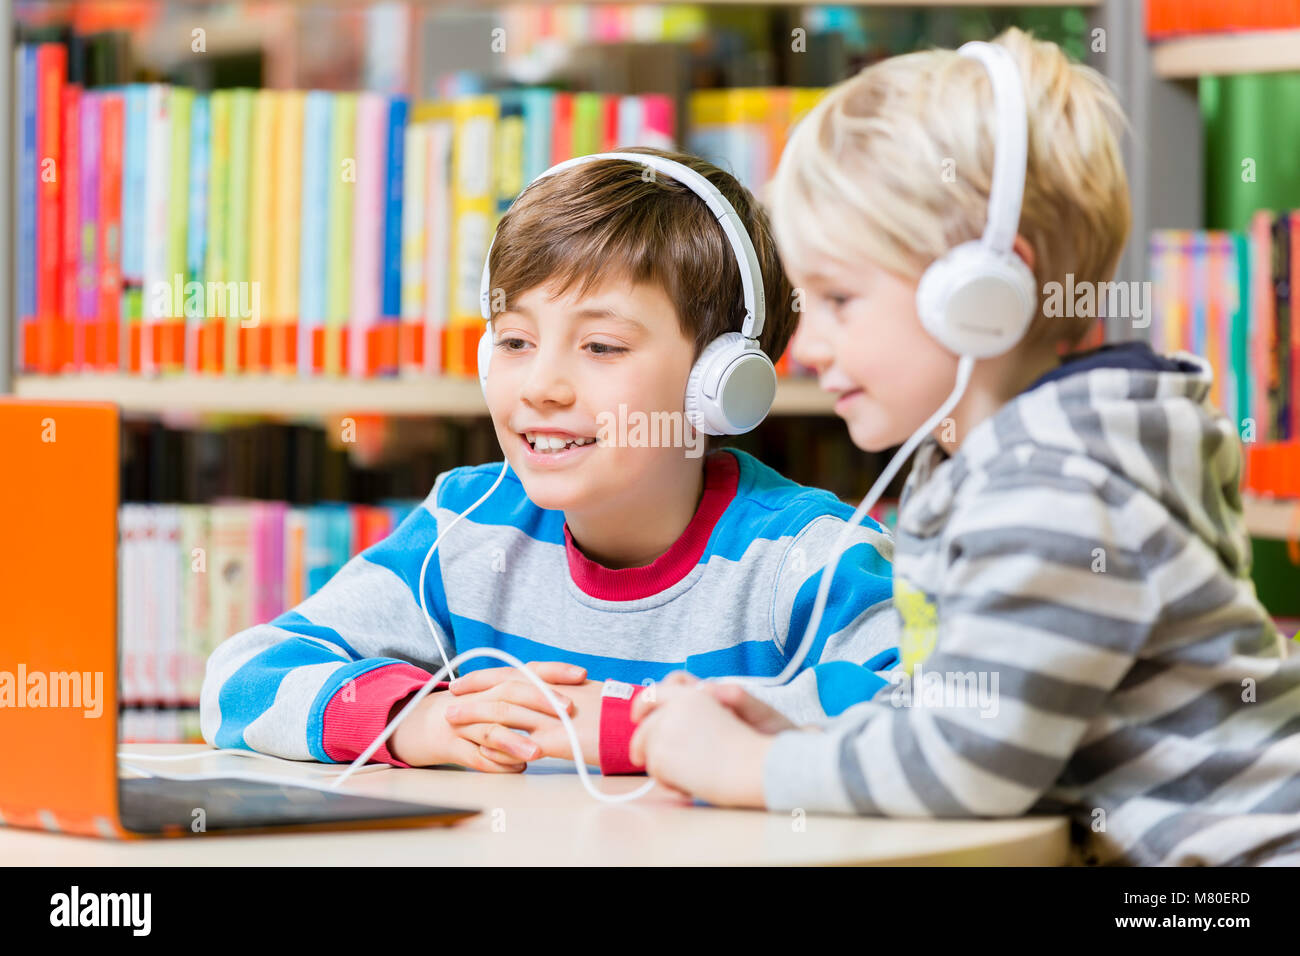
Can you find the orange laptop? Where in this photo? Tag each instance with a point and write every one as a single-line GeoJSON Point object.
{"type": "Point", "coordinates": [59, 654]}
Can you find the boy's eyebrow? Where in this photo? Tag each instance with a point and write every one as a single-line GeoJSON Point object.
{"type": "Point", "coordinates": [590, 312]}
{"type": "Point", "coordinates": [594, 312]}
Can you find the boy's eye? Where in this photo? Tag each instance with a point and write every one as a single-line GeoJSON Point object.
{"type": "Point", "coordinates": [604, 348]}
{"type": "Point", "coordinates": [511, 345]}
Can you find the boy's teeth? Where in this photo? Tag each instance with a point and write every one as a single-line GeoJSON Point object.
{"type": "Point", "coordinates": [549, 443]}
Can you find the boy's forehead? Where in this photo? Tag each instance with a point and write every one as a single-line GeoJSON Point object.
{"type": "Point", "coordinates": [620, 301]}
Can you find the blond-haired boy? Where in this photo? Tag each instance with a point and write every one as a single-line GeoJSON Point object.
{"type": "Point", "coordinates": [1071, 539]}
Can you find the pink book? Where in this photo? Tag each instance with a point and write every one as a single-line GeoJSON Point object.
{"type": "Point", "coordinates": [88, 259]}
{"type": "Point", "coordinates": [268, 559]}
{"type": "Point", "coordinates": [656, 121]}
{"type": "Point", "coordinates": [367, 231]}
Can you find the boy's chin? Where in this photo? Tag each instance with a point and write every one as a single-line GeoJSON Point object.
{"type": "Point", "coordinates": [870, 434]}
{"type": "Point", "coordinates": [554, 492]}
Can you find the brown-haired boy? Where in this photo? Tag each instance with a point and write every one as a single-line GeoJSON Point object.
{"type": "Point", "coordinates": [615, 559]}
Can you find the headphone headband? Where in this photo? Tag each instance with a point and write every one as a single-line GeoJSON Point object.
{"type": "Point", "coordinates": [1011, 141]}
{"type": "Point", "coordinates": [750, 274]}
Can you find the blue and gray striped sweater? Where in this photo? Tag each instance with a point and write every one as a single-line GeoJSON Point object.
{"type": "Point", "coordinates": [731, 597]}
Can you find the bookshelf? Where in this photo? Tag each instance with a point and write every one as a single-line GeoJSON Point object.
{"type": "Point", "coordinates": [1264, 51]}
{"type": "Point", "coordinates": [251, 394]}
{"type": "Point", "coordinates": [1271, 517]}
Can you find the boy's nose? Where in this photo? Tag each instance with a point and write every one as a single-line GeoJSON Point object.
{"type": "Point", "coordinates": [547, 384]}
{"type": "Point", "coordinates": [808, 348]}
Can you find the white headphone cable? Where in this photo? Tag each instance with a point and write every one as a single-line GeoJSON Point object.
{"type": "Point", "coordinates": [964, 368]}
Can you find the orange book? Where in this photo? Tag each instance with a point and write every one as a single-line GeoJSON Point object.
{"type": "Point", "coordinates": [51, 67]}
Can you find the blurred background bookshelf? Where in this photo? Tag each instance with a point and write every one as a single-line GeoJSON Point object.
{"type": "Point", "coordinates": [300, 438]}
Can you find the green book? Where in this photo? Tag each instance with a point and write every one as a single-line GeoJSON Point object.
{"type": "Point", "coordinates": [588, 123]}
{"type": "Point", "coordinates": [237, 213]}
{"type": "Point", "coordinates": [181, 106]}
{"type": "Point", "coordinates": [1241, 330]}
{"type": "Point", "coordinates": [218, 183]}
{"type": "Point", "coordinates": [338, 256]}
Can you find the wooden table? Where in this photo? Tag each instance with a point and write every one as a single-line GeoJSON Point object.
{"type": "Point", "coordinates": [547, 818]}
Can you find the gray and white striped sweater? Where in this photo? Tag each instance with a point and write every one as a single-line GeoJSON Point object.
{"type": "Point", "coordinates": [1080, 636]}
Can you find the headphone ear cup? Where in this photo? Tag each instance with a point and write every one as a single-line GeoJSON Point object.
{"type": "Point", "coordinates": [731, 387]}
{"type": "Point", "coordinates": [975, 302]}
{"type": "Point", "coordinates": [484, 357]}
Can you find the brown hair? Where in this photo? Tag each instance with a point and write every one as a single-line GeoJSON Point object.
{"type": "Point", "coordinates": [616, 217]}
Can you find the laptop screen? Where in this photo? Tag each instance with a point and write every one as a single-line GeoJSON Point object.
{"type": "Point", "coordinates": [59, 472]}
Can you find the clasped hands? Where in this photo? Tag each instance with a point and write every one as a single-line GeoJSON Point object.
{"type": "Point", "coordinates": [697, 738]}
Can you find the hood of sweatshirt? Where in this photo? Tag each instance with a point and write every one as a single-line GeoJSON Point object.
{"type": "Point", "coordinates": [1144, 417]}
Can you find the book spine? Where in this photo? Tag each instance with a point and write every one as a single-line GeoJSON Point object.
{"type": "Point", "coordinates": [1282, 324]}
{"type": "Point", "coordinates": [213, 346]}
{"type": "Point", "coordinates": [539, 107]}
{"type": "Point", "coordinates": [588, 114]}
{"type": "Point", "coordinates": [390, 311]}
{"type": "Point", "coordinates": [84, 352]}
{"type": "Point", "coordinates": [609, 123]}
{"type": "Point", "coordinates": [135, 167]}
{"type": "Point", "coordinates": [561, 127]}
{"type": "Point", "coordinates": [315, 231]}
{"type": "Point", "coordinates": [51, 68]}
{"type": "Point", "coordinates": [26, 196]}
{"type": "Point", "coordinates": [629, 120]}
{"type": "Point", "coordinates": [286, 241]}
{"type": "Point", "coordinates": [196, 242]}
{"type": "Point", "coordinates": [367, 233]}
{"type": "Point", "coordinates": [157, 280]}
{"type": "Point", "coordinates": [342, 183]}
{"type": "Point", "coordinates": [658, 126]}
{"type": "Point", "coordinates": [437, 270]}
{"type": "Point", "coordinates": [295, 528]}
{"type": "Point", "coordinates": [1293, 221]}
{"type": "Point", "coordinates": [414, 203]}
{"type": "Point", "coordinates": [70, 218]}
{"type": "Point", "coordinates": [170, 660]}
{"type": "Point", "coordinates": [1264, 373]}
{"type": "Point", "coordinates": [109, 308]}
{"type": "Point", "coordinates": [509, 147]}
{"type": "Point", "coordinates": [473, 211]}
{"type": "Point", "coordinates": [238, 183]}
{"type": "Point", "coordinates": [180, 122]}
{"type": "Point", "coordinates": [1240, 305]}
{"type": "Point", "coordinates": [261, 225]}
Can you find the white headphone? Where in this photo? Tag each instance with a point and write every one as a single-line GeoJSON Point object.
{"type": "Point", "coordinates": [979, 298]}
{"type": "Point", "coordinates": [733, 382]}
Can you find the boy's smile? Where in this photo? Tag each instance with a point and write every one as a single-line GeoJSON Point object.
{"type": "Point", "coordinates": [860, 332]}
{"type": "Point", "coordinates": [563, 362]}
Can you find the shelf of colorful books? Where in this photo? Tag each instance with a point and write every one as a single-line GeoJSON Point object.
{"type": "Point", "coordinates": [1261, 51]}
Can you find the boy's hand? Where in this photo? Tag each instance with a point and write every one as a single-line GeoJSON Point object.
{"type": "Point", "coordinates": [425, 738]}
{"type": "Point", "coordinates": [567, 681]}
{"type": "Point", "coordinates": [695, 743]}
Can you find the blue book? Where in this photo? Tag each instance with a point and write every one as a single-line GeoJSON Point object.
{"type": "Point", "coordinates": [26, 193]}
{"type": "Point", "coordinates": [314, 235]}
{"type": "Point", "coordinates": [196, 246]}
{"type": "Point", "coordinates": [391, 303]}
{"type": "Point", "coordinates": [539, 107]}
{"type": "Point", "coordinates": [134, 164]}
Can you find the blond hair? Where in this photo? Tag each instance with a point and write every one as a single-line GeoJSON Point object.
{"type": "Point", "coordinates": [895, 165]}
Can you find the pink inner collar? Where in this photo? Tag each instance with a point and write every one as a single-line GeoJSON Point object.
{"type": "Point", "coordinates": [721, 478]}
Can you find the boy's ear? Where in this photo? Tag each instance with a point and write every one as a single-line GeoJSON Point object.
{"type": "Point", "coordinates": [1024, 250]}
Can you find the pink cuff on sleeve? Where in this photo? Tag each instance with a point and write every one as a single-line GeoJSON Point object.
{"type": "Point", "coordinates": [358, 711]}
{"type": "Point", "coordinates": [616, 728]}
